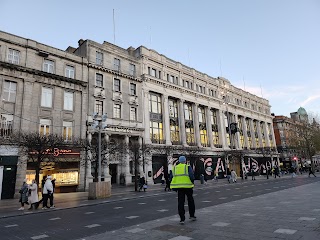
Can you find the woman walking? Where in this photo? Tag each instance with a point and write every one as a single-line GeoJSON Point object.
{"type": "Point", "coordinates": [23, 194]}
{"type": "Point", "coordinates": [33, 197]}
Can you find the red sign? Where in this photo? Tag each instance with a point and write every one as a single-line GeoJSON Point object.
{"type": "Point", "coordinates": [57, 152]}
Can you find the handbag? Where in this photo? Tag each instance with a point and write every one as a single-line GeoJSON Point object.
{"type": "Point", "coordinates": [145, 186]}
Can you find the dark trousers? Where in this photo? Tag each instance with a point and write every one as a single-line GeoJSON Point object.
{"type": "Point", "coordinates": [51, 199]}
{"type": "Point", "coordinates": [181, 198]}
{"type": "Point", "coordinates": [311, 173]}
{"type": "Point", "coordinates": [45, 200]}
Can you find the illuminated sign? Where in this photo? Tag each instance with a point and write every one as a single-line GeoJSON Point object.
{"type": "Point", "coordinates": [57, 152]}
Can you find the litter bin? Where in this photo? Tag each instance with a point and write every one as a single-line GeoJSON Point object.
{"type": "Point", "coordinates": [202, 179]}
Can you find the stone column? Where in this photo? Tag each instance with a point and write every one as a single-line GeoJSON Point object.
{"type": "Point", "coordinates": [166, 119]}
{"type": "Point", "coordinates": [148, 164]}
{"type": "Point", "coordinates": [82, 172]}
{"type": "Point", "coordinates": [253, 134]}
{"type": "Point", "coordinates": [273, 137]}
{"type": "Point", "coordinates": [222, 129]}
{"type": "Point", "coordinates": [89, 177]}
{"type": "Point", "coordinates": [237, 135]}
{"type": "Point", "coordinates": [128, 176]}
{"type": "Point", "coordinates": [266, 134]}
{"type": "Point", "coordinates": [21, 172]}
{"type": "Point", "coordinates": [140, 161]}
{"type": "Point", "coordinates": [259, 134]}
{"type": "Point", "coordinates": [196, 124]}
{"type": "Point", "coordinates": [209, 126]}
{"type": "Point", "coordinates": [245, 133]}
{"type": "Point", "coordinates": [106, 162]}
{"type": "Point", "coordinates": [146, 118]}
{"type": "Point", "coordinates": [182, 123]}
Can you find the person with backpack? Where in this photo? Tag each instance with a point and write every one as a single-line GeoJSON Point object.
{"type": "Point", "coordinates": [24, 192]}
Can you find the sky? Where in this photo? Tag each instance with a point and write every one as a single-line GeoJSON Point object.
{"type": "Point", "coordinates": [270, 48]}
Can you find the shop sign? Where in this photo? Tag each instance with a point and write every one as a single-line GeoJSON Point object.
{"type": "Point", "coordinates": [59, 152]}
{"type": "Point", "coordinates": [122, 130]}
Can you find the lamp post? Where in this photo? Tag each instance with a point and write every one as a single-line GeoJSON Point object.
{"type": "Point", "coordinates": [225, 102]}
{"type": "Point", "coordinates": [99, 124]}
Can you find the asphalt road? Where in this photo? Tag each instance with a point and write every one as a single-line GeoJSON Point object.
{"type": "Point", "coordinates": [136, 208]}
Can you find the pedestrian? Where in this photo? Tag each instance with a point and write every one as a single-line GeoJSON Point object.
{"type": "Point", "coordinates": [24, 191]}
{"type": "Point", "coordinates": [311, 172]}
{"type": "Point", "coordinates": [53, 181]}
{"type": "Point", "coordinates": [47, 191]}
{"type": "Point", "coordinates": [44, 178]}
{"type": "Point", "coordinates": [253, 177]}
{"type": "Point", "coordinates": [276, 172]}
{"type": "Point", "coordinates": [292, 171]}
{"type": "Point", "coordinates": [234, 176]}
{"type": "Point", "coordinates": [168, 181]}
{"type": "Point", "coordinates": [228, 175]}
{"type": "Point", "coordinates": [142, 183]}
{"type": "Point", "coordinates": [216, 175]}
{"type": "Point", "coordinates": [182, 182]}
{"type": "Point", "coordinates": [33, 196]}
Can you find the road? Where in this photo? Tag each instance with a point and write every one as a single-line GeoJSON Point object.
{"type": "Point", "coordinates": [135, 208]}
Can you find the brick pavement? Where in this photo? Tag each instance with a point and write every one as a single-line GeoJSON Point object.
{"type": "Point", "coordinates": [292, 213]}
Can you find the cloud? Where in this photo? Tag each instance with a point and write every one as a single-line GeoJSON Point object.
{"type": "Point", "coordinates": [310, 99]}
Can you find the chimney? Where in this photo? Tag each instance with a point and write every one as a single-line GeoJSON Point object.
{"type": "Point", "coordinates": [80, 42]}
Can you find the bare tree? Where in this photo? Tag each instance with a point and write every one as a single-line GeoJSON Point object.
{"type": "Point", "coordinates": [41, 149]}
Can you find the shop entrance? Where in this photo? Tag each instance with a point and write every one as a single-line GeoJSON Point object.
{"type": "Point", "coordinates": [8, 182]}
{"type": "Point", "coordinates": [113, 172]}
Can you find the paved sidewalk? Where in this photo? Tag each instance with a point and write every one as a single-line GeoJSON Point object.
{"type": "Point", "coordinates": [287, 214]}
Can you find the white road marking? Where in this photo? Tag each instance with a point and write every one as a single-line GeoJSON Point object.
{"type": "Point", "coordinates": [237, 188]}
{"type": "Point", "coordinates": [93, 225]}
{"type": "Point", "coordinates": [206, 201]}
{"type": "Point", "coordinates": [223, 198]}
{"type": "Point", "coordinates": [53, 219]}
{"type": "Point", "coordinates": [316, 210]}
{"type": "Point", "coordinates": [237, 195]}
{"type": "Point", "coordinates": [13, 225]}
{"type": "Point", "coordinates": [39, 237]}
{"type": "Point", "coordinates": [162, 200]}
{"type": "Point", "coordinates": [135, 230]}
{"type": "Point", "coordinates": [88, 213]}
{"type": "Point", "coordinates": [269, 207]}
{"type": "Point", "coordinates": [217, 191]}
{"type": "Point", "coordinates": [117, 207]}
{"type": "Point", "coordinates": [132, 217]}
{"type": "Point", "coordinates": [180, 238]}
{"type": "Point", "coordinates": [220, 224]}
{"type": "Point", "coordinates": [285, 231]}
{"type": "Point", "coordinates": [306, 219]}
{"type": "Point", "coordinates": [163, 210]}
{"type": "Point", "coordinates": [249, 193]}
{"type": "Point", "coordinates": [141, 203]}
{"type": "Point", "coordinates": [249, 214]}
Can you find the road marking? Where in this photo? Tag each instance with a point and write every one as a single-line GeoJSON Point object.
{"type": "Point", "coordinates": [13, 225]}
{"type": "Point", "coordinates": [220, 224]}
{"type": "Point", "coordinates": [84, 204]}
{"type": "Point", "coordinates": [53, 219]}
{"type": "Point", "coordinates": [206, 192]}
{"type": "Point", "coordinates": [237, 195]}
{"type": "Point", "coordinates": [228, 189]}
{"type": "Point", "coordinates": [163, 210]}
{"type": "Point", "coordinates": [141, 203]}
{"type": "Point", "coordinates": [135, 230]}
{"type": "Point", "coordinates": [217, 191]}
{"type": "Point", "coordinates": [316, 210]}
{"type": "Point", "coordinates": [269, 207]}
{"type": "Point", "coordinates": [88, 213]}
{"type": "Point", "coordinates": [39, 237]}
{"type": "Point", "coordinates": [249, 193]}
{"type": "Point", "coordinates": [162, 200]}
{"type": "Point", "coordinates": [245, 186]}
{"type": "Point", "coordinates": [306, 219]}
{"type": "Point", "coordinates": [285, 231]}
{"type": "Point", "coordinates": [180, 238]}
{"type": "Point", "coordinates": [223, 198]}
{"type": "Point", "coordinates": [117, 207]}
{"type": "Point", "coordinates": [285, 202]}
{"type": "Point", "coordinates": [132, 217]}
{"type": "Point", "coordinates": [237, 188]}
{"type": "Point", "coordinates": [206, 201]}
{"type": "Point", "coordinates": [267, 189]}
{"type": "Point", "coordinates": [275, 187]}
{"type": "Point", "coordinates": [249, 214]}
{"type": "Point", "coordinates": [93, 225]}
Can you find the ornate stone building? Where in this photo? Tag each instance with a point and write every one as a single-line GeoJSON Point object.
{"type": "Point", "coordinates": [42, 89]}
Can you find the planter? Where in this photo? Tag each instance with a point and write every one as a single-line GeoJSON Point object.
{"type": "Point", "coordinates": [99, 190]}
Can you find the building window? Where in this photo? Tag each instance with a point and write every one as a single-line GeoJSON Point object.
{"type": "Point", "coordinates": [189, 124]}
{"type": "Point", "coordinates": [67, 131]}
{"type": "Point", "coordinates": [6, 125]}
{"type": "Point", "coordinates": [215, 129]}
{"type": "Point", "coordinates": [48, 66]}
{"type": "Point", "coordinates": [132, 69]}
{"type": "Point", "coordinates": [270, 135]}
{"type": "Point", "coordinates": [249, 133]}
{"type": "Point", "coordinates": [155, 103]}
{"type": "Point", "coordinates": [263, 134]}
{"type": "Point", "coordinates": [256, 136]}
{"type": "Point", "coordinates": [99, 107]}
{"type": "Point", "coordinates": [202, 126]}
{"type": "Point", "coordinates": [133, 114]}
{"type": "Point", "coordinates": [240, 120]}
{"type": "Point", "coordinates": [155, 111]}
{"type": "Point", "coordinates": [153, 72]}
{"type": "Point", "coordinates": [156, 132]}
{"type": "Point", "coordinates": [13, 56]}
{"type": "Point", "coordinates": [68, 101]}
{"type": "Point", "coordinates": [116, 64]}
{"type": "Point", "coordinates": [174, 122]}
{"type": "Point", "coordinates": [46, 97]}
{"type": "Point", "coordinates": [9, 91]}
{"type": "Point", "coordinates": [133, 89]}
{"type": "Point", "coordinates": [99, 80]}
{"type": "Point", "coordinates": [69, 71]}
{"type": "Point", "coordinates": [44, 129]}
{"type": "Point", "coordinates": [188, 111]}
{"type": "Point", "coordinates": [116, 85]}
{"type": "Point", "coordinates": [117, 111]}
{"type": "Point", "coordinates": [99, 58]}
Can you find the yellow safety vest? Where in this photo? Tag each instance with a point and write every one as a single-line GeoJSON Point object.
{"type": "Point", "coordinates": [181, 177]}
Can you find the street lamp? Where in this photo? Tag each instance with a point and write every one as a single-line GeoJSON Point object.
{"type": "Point", "coordinates": [99, 125]}
{"type": "Point", "coordinates": [225, 102]}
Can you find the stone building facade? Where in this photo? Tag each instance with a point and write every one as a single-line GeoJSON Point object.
{"type": "Point", "coordinates": [43, 89]}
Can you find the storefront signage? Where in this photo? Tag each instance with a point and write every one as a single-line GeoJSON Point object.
{"type": "Point", "coordinates": [123, 130]}
{"type": "Point", "coordinates": [58, 152]}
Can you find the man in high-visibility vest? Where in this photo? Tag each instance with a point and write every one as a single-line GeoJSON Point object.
{"type": "Point", "coordinates": [182, 182]}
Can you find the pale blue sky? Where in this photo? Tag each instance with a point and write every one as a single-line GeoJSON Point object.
{"type": "Point", "coordinates": [270, 47]}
